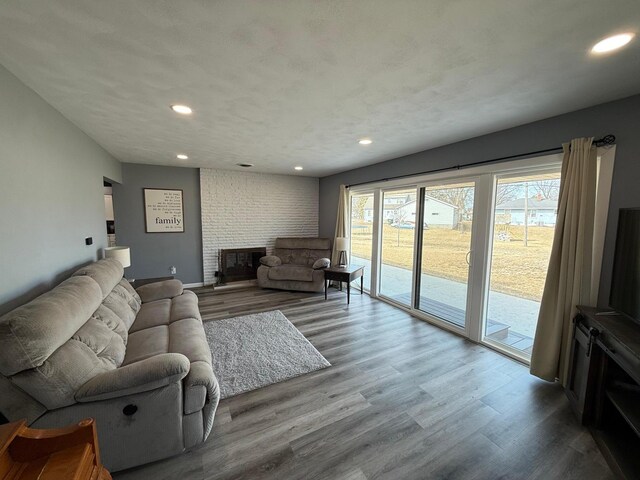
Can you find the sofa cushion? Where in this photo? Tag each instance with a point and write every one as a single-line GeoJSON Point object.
{"type": "Point", "coordinates": [152, 314]}
{"type": "Point", "coordinates": [106, 272]}
{"type": "Point", "coordinates": [270, 261]}
{"type": "Point", "coordinates": [147, 343]}
{"type": "Point", "coordinates": [168, 326]}
{"type": "Point", "coordinates": [103, 341]}
{"type": "Point", "coordinates": [159, 290]}
{"type": "Point", "coordinates": [185, 306]}
{"type": "Point", "coordinates": [291, 272]}
{"type": "Point", "coordinates": [55, 382]}
{"type": "Point", "coordinates": [184, 336]}
{"type": "Point", "coordinates": [187, 337]}
{"type": "Point", "coordinates": [120, 302]}
{"type": "Point", "coordinates": [132, 291]}
{"type": "Point", "coordinates": [32, 333]}
{"type": "Point", "coordinates": [295, 257]}
{"type": "Point", "coordinates": [321, 263]}
{"type": "Point", "coordinates": [166, 311]}
{"type": "Point", "coordinates": [109, 318]}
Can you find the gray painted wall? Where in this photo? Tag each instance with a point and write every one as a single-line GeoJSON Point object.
{"type": "Point", "coordinates": [621, 118]}
{"type": "Point", "coordinates": [51, 194]}
{"type": "Point", "coordinates": [153, 253]}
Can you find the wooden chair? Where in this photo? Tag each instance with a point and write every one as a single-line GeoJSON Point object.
{"type": "Point", "coordinates": [69, 453]}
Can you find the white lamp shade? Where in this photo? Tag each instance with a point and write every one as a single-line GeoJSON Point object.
{"type": "Point", "coordinates": [121, 254]}
{"type": "Point", "coordinates": [341, 244]}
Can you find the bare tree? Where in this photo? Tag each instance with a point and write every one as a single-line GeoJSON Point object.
{"type": "Point", "coordinates": [547, 189]}
{"type": "Point", "coordinates": [507, 192]}
{"type": "Point", "coordinates": [357, 210]}
{"type": "Point", "coordinates": [399, 220]}
{"type": "Point", "coordinates": [461, 197]}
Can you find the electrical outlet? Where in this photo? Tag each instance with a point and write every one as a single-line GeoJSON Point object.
{"type": "Point", "coordinates": [172, 270]}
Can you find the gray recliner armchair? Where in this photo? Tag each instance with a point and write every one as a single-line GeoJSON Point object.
{"type": "Point", "coordinates": [296, 264]}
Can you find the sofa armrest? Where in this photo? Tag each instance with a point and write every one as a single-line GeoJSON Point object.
{"type": "Point", "coordinates": [143, 376]}
{"type": "Point", "coordinates": [200, 387]}
{"type": "Point", "coordinates": [270, 261]}
{"type": "Point", "coordinates": [160, 290]}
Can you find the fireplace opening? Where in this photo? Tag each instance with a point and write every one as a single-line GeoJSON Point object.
{"type": "Point", "coordinates": [237, 264]}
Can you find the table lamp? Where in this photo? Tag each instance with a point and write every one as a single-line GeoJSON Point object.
{"type": "Point", "coordinates": [341, 246]}
{"type": "Point", "coordinates": [121, 254]}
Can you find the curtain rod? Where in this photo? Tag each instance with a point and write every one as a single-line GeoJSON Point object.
{"type": "Point", "coordinates": [606, 140]}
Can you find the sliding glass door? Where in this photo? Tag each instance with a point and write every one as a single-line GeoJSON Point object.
{"type": "Point", "coordinates": [468, 253]}
{"type": "Point", "coordinates": [398, 227]}
{"type": "Point", "coordinates": [524, 217]}
{"type": "Point", "coordinates": [361, 237]}
{"type": "Point", "coordinates": [447, 220]}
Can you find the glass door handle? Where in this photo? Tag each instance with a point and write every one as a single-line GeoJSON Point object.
{"type": "Point", "coordinates": [468, 258]}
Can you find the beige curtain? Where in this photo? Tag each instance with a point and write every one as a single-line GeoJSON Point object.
{"type": "Point", "coordinates": [341, 222]}
{"type": "Point", "coordinates": [569, 276]}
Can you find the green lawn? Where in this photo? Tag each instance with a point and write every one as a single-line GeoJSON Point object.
{"type": "Point", "coordinates": [516, 269]}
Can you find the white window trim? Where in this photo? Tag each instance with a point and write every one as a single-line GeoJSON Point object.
{"type": "Point", "coordinates": [501, 168]}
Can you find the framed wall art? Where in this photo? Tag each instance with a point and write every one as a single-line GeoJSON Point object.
{"type": "Point", "coordinates": [163, 210]}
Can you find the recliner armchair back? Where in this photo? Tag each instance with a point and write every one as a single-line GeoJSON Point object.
{"type": "Point", "coordinates": [302, 251]}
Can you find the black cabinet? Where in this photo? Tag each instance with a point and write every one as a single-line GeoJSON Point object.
{"type": "Point", "coordinates": [583, 373]}
{"type": "Point", "coordinates": [604, 385]}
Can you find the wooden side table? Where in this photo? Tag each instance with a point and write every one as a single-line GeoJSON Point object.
{"type": "Point", "coordinates": [348, 274]}
{"type": "Point", "coordinates": [55, 454]}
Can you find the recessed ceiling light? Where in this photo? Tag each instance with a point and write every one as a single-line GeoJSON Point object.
{"type": "Point", "coordinates": [245, 165]}
{"type": "Point", "coordinates": [612, 43]}
{"type": "Point", "coordinates": [298, 168]}
{"type": "Point", "coordinates": [365, 141]}
{"type": "Point", "coordinates": [181, 109]}
{"type": "Point", "coordinates": [182, 156]}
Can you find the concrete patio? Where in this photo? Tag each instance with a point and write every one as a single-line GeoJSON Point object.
{"type": "Point", "coordinates": [511, 320]}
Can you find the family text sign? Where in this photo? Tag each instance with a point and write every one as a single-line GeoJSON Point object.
{"type": "Point", "coordinates": [163, 210]}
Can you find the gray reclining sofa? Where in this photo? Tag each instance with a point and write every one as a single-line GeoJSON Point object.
{"type": "Point", "coordinates": [136, 361]}
{"type": "Point", "coordinates": [296, 264]}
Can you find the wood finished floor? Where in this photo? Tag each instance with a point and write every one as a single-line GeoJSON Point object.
{"type": "Point", "coordinates": [402, 400]}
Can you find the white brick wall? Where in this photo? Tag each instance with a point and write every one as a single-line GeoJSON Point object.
{"type": "Point", "coordinates": [242, 209]}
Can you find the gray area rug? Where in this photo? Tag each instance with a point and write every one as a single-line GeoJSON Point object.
{"type": "Point", "coordinates": [257, 350]}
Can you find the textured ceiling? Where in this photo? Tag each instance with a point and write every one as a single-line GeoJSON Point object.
{"type": "Point", "coordinates": [284, 83]}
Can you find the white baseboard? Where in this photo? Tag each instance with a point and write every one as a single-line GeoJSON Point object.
{"type": "Point", "coordinates": [193, 285]}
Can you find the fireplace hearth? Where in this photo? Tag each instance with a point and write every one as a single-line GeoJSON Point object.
{"type": "Point", "coordinates": [237, 264]}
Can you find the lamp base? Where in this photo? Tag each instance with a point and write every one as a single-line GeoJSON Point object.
{"type": "Point", "coordinates": [342, 261]}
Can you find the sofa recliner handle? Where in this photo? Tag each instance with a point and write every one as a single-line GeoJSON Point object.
{"type": "Point", "coordinates": [143, 376]}
{"type": "Point", "coordinates": [130, 409]}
